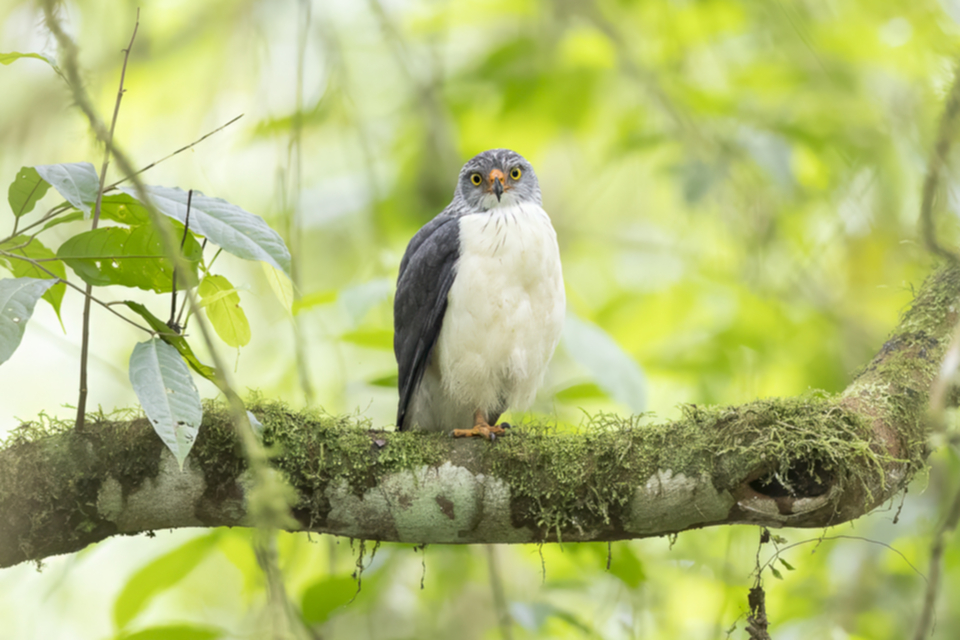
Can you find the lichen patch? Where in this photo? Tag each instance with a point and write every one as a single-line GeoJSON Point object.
{"type": "Point", "coordinates": [674, 502]}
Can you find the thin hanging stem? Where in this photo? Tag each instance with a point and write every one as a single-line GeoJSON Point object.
{"type": "Point", "coordinates": [172, 322]}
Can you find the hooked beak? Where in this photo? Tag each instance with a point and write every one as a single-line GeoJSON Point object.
{"type": "Point", "coordinates": [496, 182]}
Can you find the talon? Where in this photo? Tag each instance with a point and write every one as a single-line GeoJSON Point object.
{"type": "Point", "coordinates": [481, 431]}
{"type": "Point", "coordinates": [481, 428]}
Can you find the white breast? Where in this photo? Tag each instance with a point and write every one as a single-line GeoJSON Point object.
{"type": "Point", "coordinates": [505, 310]}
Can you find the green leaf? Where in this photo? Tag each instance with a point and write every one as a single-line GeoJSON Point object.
{"type": "Point", "coordinates": [77, 182]}
{"type": "Point", "coordinates": [786, 564]}
{"type": "Point", "coordinates": [131, 257]}
{"type": "Point", "coordinates": [314, 299]}
{"type": "Point", "coordinates": [226, 225]}
{"type": "Point", "coordinates": [370, 338]}
{"type": "Point", "coordinates": [222, 303]}
{"type": "Point", "coordinates": [614, 371]}
{"type": "Point", "coordinates": [174, 632]}
{"type": "Point", "coordinates": [25, 190]}
{"type": "Point", "coordinates": [35, 250]}
{"type": "Point", "coordinates": [167, 394]}
{"type": "Point", "coordinates": [280, 284]}
{"type": "Point", "coordinates": [18, 297]}
{"type": "Point", "coordinates": [159, 575]}
{"type": "Point", "coordinates": [8, 58]}
{"type": "Point", "coordinates": [322, 598]}
{"type": "Point", "coordinates": [627, 566]}
{"type": "Point", "coordinates": [776, 574]}
{"type": "Point", "coordinates": [175, 340]}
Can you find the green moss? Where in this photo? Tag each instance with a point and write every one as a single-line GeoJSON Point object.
{"type": "Point", "coordinates": [562, 479]}
{"type": "Point", "coordinates": [315, 450]}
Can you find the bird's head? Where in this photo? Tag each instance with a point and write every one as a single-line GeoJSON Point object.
{"type": "Point", "coordinates": [496, 178]}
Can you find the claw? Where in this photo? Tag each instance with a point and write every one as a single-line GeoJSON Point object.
{"type": "Point", "coordinates": [481, 428]}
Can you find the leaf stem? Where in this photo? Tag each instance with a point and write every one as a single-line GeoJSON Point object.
{"type": "Point", "coordinates": [85, 331]}
{"type": "Point", "coordinates": [105, 305]}
{"type": "Point", "coordinates": [66, 207]}
{"type": "Point", "coordinates": [183, 326]}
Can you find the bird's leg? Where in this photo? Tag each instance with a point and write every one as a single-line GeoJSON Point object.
{"type": "Point", "coordinates": [481, 428]}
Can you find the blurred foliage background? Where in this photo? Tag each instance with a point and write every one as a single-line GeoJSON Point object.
{"type": "Point", "coordinates": [735, 186]}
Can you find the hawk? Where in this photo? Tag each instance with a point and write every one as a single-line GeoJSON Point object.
{"type": "Point", "coordinates": [480, 302]}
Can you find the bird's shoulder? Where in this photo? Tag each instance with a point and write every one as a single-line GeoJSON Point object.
{"type": "Point", "coordinates": [435, 242]}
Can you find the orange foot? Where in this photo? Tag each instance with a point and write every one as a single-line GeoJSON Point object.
{"type": "Point", "coordinates": [481, 428]}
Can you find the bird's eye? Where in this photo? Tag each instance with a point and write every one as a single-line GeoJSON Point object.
{"type": "Point", "coordinates": [515, 173]}
{"type": "Point", "coordinates": [476, 179]}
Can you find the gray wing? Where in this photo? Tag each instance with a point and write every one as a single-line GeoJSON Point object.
{"type": "Point", "coordinates": [426, 274]}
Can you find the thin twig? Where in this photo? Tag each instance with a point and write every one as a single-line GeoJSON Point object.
{"type": "Point", "coordinates": [294, 214]}
{"type": "Point", "coordinates": [173, 285]}
{"type": "Point", "coordinates": [85, 331]}
{"type": "Point", "coordinates": [167, 157]}
{"type": "Point", "coordinates": [105, 305]}
{"type": "Point", "coordinates": [780, 550]}
{"type": "Point", "coordinates": [938, 158]}
{"type": "Point", "coordinates": [66, 207]}
{"type": "Point", "coordinates": [925, 623]}
{"type": "Point", "coordinates": [52, 213]}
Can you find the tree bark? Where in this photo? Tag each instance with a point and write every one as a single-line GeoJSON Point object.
{"type": "Point", "coordinates": [809, 461]}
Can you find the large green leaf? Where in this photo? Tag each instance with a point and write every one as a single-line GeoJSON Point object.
{"type": "Point", "coordinates": [18, 297]}
{"type": "Point", "coordinates": [165, 388]}
{"type": "Point", "coordinates": [222, 303]}
{"type": "Point", "coordinates": [228, 226]}
{"type": "Point", "coordinates": [175, 340]}
{"type": "Point", "coordinates": [131, 257]}
{"type": "Point", "coordinates": [34, 249]}
{"type": "Point", "coordinates": [324, 597]}
{"type": "Point", "coordinates": [158, 576]}
{"type": "Point", "coordinates": [615, 372]}
{"type": "Point", "coordinates": [25, 190]}
{"type": "Point", "coordinates": [118, 207]}
{"type": "Point", "coordinates": [174, 632]}
{"type": "Point", "coordinates": [77, 182]}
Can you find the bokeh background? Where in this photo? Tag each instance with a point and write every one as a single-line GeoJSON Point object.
{"type": "Point", "coordinates": [735, 187]}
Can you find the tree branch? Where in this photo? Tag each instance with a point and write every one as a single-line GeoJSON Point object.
{"type": "Point", "coordinates": [809, 461]}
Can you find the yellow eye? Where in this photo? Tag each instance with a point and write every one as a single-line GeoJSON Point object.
{"type": "Point", "coordinates": [476, 179]}
{"type": "Point", "coordinates": [515, 173]}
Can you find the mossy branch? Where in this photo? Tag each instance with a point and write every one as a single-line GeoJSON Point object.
{"type": "Point", "coordinates": [810, 461]}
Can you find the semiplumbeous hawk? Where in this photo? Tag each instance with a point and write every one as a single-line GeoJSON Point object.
{"type": "Point", "coordinates": [480, 302]}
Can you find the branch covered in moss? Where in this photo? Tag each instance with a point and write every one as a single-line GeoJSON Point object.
{"type": "Point", "coordinates": [809, 461]}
